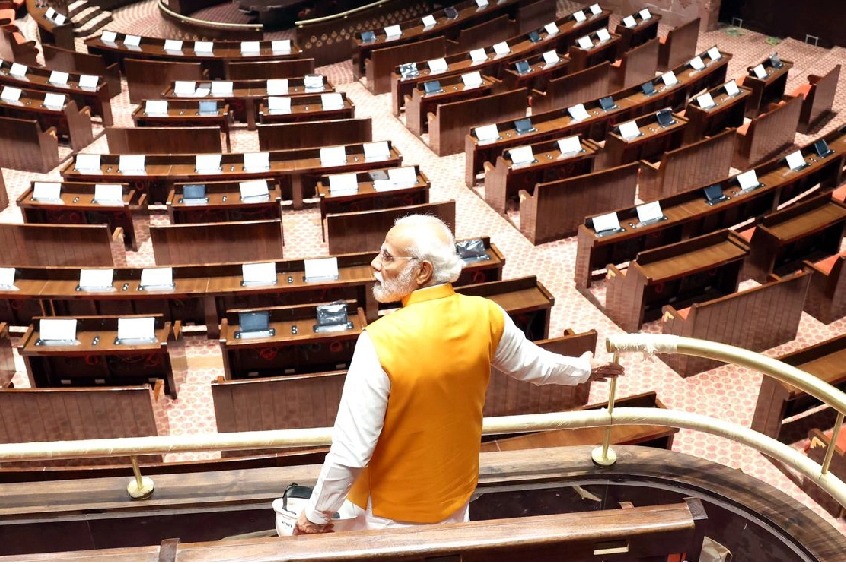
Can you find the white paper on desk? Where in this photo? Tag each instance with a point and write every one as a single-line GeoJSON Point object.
{"type": "Point", "coordinates": [629, 21]}
{"type": "Point", "coordinates": [603, 35]}
{"type": "Point", "coordinates": [173, 45]}
{"type": "Point", "coordinates": [50, 13]}
{"type": "Point", "coordinates": [10, 94]}
{"type": "Point", "coordinates": [132, 164]}
{"type": "Point", "coordinates": [205, 163]}
{"type": "Point", "coordinates": [136, 329]}
{"type": "Point", "coordinates": [47, 191]}
{"type": "Point", "coordinates": [96, 278]}
{"type": "Point", "coordinates": [155, 107]}
{"type": "Point", "coordinates": [551, 57]}
{"type": "Point", "coordinates": [108, 37]}
{"type": "Point", "coordinates": [760, 71]}
{"type": "Point", "coordinates": [313, 81]}
{"type": "Point", "coordinates": [501, 48]}
{"type": "Point", "coordinates": [277, 86]}
{"type": "Point", "coordinates": [393, 31]}
{"type": "Point", "coordinates": [481, 3]}
{"type": "Point", "coordinates": [88, 81]}
{"type": "Point", "coordinates": [649, 212]}
{"type": "Point", "coordinates": [705, 101]}
{"type": "Point", "coordinates": [332, 101]}
{"type": "Point", "coordinates": [595, 9]}
{"type": "Point", "coordinates": [281, 46]}
{"type": "Point", "coordinates": [383, 185]}
{"type": "Point", "coordinates": [184, 87]}
{"type": "Point", "coordinates": [88, 163]}
{"type": "Point", "coordinates": [696, 63]}
{"type": "Point", "coordinates": [748, 180]}
{"type": "Point", "coordinates": [57, 329]}
{"type": "Point", "coordinates": [7, 278]}
{"type": "Point", "coordinates": [132, 40]}
{"type": "Point", "coordinates": [579, 16]}
{"type": "Point", "coordinates": [471, 79]}
{"type": "Point", "coordinates": [254, 189]}
{"type": "Point", "coordinates": [18, 70]}
{"type": "Point", "coordinates": [578, 112]}
{"type": "Point", "coordinates": [221, 88]}
{"type": "Point", "coordinates": [250, 47]}
{"type": "Point", "coordinates": [429, 20]}
{"type": "Point", "coordinates": [795, 160]}
{"type": "Point", "coordinates": [60, 19]}
{"type": "Point", "coordinates": [478, 56]}
{"type": "Point", "coordinates": [551, 29]}
{"type": "Point", "coordinates": [402, 177]}
{"type": "Point", "coordinates": [376, 151]}
{"type": "Point", "coordinates": [570, 145]}
{"type": "Point", "coordinates": [259, 272]}
{"type": "Point", "coordinates": [343, 184]}
{"type": "Point", "coordinates": [584, 42]}
{"type": "Point", "coordinates": [645, 14]}
{"type": "Point", "coordinates": [279, 105]}
{"type": "Point", "coordinates": [53, 101]}
{"type": "Point", "coordinates": [487, 133]}
{"type": "Point", "coordinates": [521, 155]}
{"type": "Point", "coordinates": [731, 88]}
{"type": "Point", "coordinates": [108, 194]}
{"type": "Point", "coordinates": [333, 156]}
{"type": "Point", "coordinates": [606, 222]}
{"type": "Point", "coordinates": [714, 54]}
{"type": "Point", "coordinates": [629, 130]}
{"type": "Point", "coordinates": [669, 78]}
{"type": "Point", "coordinates": [204, 47]}
{"type": "Point", "coordinates": [437, 66]}
{"type": "Point", "coordinates": [157, 277]}
{"type": "Point", "coordinates": [321, 269]}
{"type": "Point", "coordinates": [58, 77]}
{"type": "Point", "coordinates": [256, 162]}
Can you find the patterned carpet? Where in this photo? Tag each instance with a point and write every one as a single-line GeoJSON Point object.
{"type": "Point", "coordinates": [726, 392]}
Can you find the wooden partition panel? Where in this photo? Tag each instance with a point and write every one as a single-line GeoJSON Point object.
{"type": "Point", "coordinates": [147, 80]}
{"type": "Point", "coordinates": [163, 140]}
{"type": "Point", "coordinates": [769, 133]}
{"type": "Point", "coordinates": [55, 245]}
{"type": "Point", "coordinates": [235, 241]}
{"type": "Point", "coordinates": [25, 146]}
{"type": "Point", "coordinates": [358, 232]}
{"type": "Point", "coordinates": [77, 62]}
{"type": "Point", "coordinates": [485, 34]}
{"type": "Point", "coordinates": [827, 294]}
{"type": "Point", "coordinates": [4, 195]}
{"type": "Point", "coordinates": [637, 65]}
{"type": "Point", "coordinates": [384, 60]}
{"type": "Point", "coordinates": [289, 68]}
{"type": "Point", "coordinates": [679, 46]}
{"type": "Point", "coordinates": [301, 135]}
{"type": "Point", "coordinates": [588, 84]}
{"type": "Point", "coordinates": [817, 104]}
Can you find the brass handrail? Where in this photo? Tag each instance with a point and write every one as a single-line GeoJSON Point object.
{"type": "Point", "coordinates": [340, 15]}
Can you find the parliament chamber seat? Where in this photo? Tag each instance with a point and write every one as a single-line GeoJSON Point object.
{"type": "Point", "coordinates": [817, 99]}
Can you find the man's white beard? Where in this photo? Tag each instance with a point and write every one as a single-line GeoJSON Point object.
{"type": "Point", "coordinates": [396, 289]}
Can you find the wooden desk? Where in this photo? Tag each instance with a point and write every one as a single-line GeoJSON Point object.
{"type": "Point", "coordinates": [504, 181]}
{"type": "Point", "coordinates": [72, 61]}
{"type": "Point", "coordinates": [727, 112]}
{"type": "Point", "coordinates": [306, 108]}
{"type": "Point", "coordinates": [224, 204]}
{"type": "Point", "coordinates": [453, 89]}
{"type": "Point", "coordinates": [296, 348]}
{"type": "Point", "coordinates": [538, 75]}
{"type": "Point", "coordinates": [97, 360]}
{"type": "Point", "coordinates": [296, 170]}
{"type": "Point", "coordinates": [77, 206]}
{"type": "Point", "coordinates": [654, 140]}
{"type": "Point", "coordinates": [599, 52]}
{"type": "Point", "coordinates": [767, 90]}
{"type": "Point", "coordinates": [680, 274]}
{"type": "Point", "coordinates": [769, 134]}
{"type": "Point", "coordinates": [807, 230]}
{"type": "Point", "coordinates": [247, 94]}
{"type": "Point", "coordinates": [526, 300]}
{"type": "Point", "coordinates": [152, 48]}
{"type": "Point", "coordinates": [643, 31]}
{"type": "Point", "coordinates": [58, 245]}
{"type": "Point", "coordinates": [182, 113]}
{"type": "Point", "coordinates": [72, 124]}
{"type": "Point", "coordinates": [573, 88]}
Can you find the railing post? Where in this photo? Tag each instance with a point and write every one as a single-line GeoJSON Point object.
{"type": "Point", "coordinates": [604, 455]}
{"type": "Point", "coordinates": [140, 487]}
{"type": "Point", "coordinates": [832, 444]}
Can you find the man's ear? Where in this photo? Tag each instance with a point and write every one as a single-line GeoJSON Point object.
{"type": "Point", "coordinates": [424, 273]}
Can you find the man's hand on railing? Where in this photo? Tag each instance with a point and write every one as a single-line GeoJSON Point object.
{"type": "Point", "coordinates": [600, 371]}
{"type": "Point", "coordinates": [306, 527]}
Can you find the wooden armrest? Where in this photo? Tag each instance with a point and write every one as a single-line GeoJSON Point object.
{"type": "Point", "coordinates": [176, 330]}
{"type": "Point", "coordinates": [669, 312]}
{"type": "Point", "coordinates": [650, 165]}
{"type": "Point", "coordinates": [839, 193]}
{"type": "Point", "coordinates": [613, 271]}
{"type": "Point", "coordinates": [746, 234]}
{"type": "Point", "coordinates": [118, 234]}
{"type": "Point", "coordinates": [523, 195]}
{"type": "Point", "coordinates": [743, 129]}
{"type": "Point", "coordinates": [487, 166]}
{"type": "Point", "coordinates": [142, 201]}
{"type": "Point", "coordinates": [803, 91]}
{"type": "Point", "coordinates": [51, 131]}
{"type": "Point", "coordinates": [85, 110]}
{"type": "Point", "coordinates": [158, 389]}
{"type": "Point", "coordinates": [813, 79]}
{"type": "Point", "coordinates": [825, 265]}
{"type": "Point", "coordinates": [617, 64]}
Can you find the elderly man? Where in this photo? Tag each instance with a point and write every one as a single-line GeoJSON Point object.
{"type": "Point", "coordinates": [405, 446]}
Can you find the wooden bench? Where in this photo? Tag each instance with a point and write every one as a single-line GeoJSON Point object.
{"type": "Point", "coordinates": [728, 112]}
{"type": "Point", "coordinates": [826, 299]}
{"type": "Point", "coordinates": [286, 68]}
{"type": "Point", "coordinates": [767, 90]}
{"type": "Point", "coordinates": [306, 108]}
{"type": "Point", "coordinates": [24, 145]}
{"type": "Point", "coordinates": [71, 123]}
{"type": "Point", "coordinates": [451, 122]}
{"type": "Point", "coordinates": [76, 62]}
{"type": "Point", "coordinates": [59, 245]}
{"type": "Point", "coordinates": [234, 241]}
{"type": "Point", "coordinates": [318, 133]}
{"type": "Point", "coordinates": [15, 47]}
{"type": "Point", "coordinates": [147, 80]}
{"type": "Point", "coordinates": [768, 134]}
{"type": "Point", "coordinates": [591, 83]}
{"type": "Point", "coordinates": [163, 140]}
{"type": "Point", "coordinates": [755, 319]}
{"type": "Point", "coordinates": [637, 66]}
{"type": "Point", "coordinates": [817, 99]}
{"type": "Point", "coordinates": [679, 45]}
{"type": "Point", "coordinates": [182, 114]}
{"type": "Point", "coordinates": [525, 299]}
{"type": "Point", "coordinates": [224, 204]}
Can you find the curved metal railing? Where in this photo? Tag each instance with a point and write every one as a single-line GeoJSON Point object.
{"type": "Point", "coordinates": [340, 15]}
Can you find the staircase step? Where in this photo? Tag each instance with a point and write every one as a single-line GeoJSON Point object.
{"type": "Point", "coordinates": [86, 15]}
{"type": "Point", "coordinates": [77, 6]}
{"type": "Point", "coordinates": [93, 25]}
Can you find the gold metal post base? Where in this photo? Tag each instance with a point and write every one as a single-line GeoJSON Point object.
{"type": "Point", "coordinates": [607, 458]}
{"type": "Point", "coordinates": [142, 490]}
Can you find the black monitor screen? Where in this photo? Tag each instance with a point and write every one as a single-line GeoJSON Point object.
{"type": "Point", "coordinates": [648, 88]}
{"type": "Point", "coordinates": [713, 193]}
{"type": "Point", "coordinates": [665, 118]}
{"type": "Point", "coordinates": [522, 66]}
{"type": "Point", "coordinates": [368, 37]}
{"type": "Point", "coordinates": [194, 191]}
{"type": "Point", "coordinates": [534, 37]}
{"type": "Point", "coordinates": [821, 147]}
{"type": "Point", "coordinates": [208, 106]}
{"type": "Point", "coordinates": [451, 12]}
{"type": "Point", "coordinates": [432, 86]}
{"type": "Point", "coordinates": [523, 125]}
{"type": "Point", "coordinates": [254, 321]}
{"type": "Point", "coordinates": [607, 103]}
{"type": "Point", "coordinates": [408, 70]}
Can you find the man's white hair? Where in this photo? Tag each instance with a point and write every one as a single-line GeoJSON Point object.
{"type": "Point", "coordinates": [433, 242]}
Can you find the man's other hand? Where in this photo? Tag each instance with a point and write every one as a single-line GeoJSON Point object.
{"type": "Point", "coordinates": [306, 527]}
{"type": "Point", "coordinates": [602, 371]}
